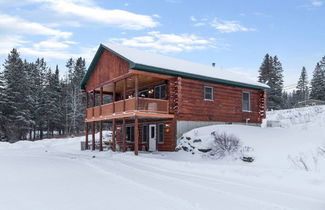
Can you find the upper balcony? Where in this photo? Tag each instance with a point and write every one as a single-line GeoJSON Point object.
{"type": "Point", "coordinates": [147, 107]}
{"type": "Point", "coordinates": [137, 95]}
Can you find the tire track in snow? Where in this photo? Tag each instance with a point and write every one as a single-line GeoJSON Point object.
{"type": "Point", "coordinates": [249, 201]}
{"type": "Point", "coordinates": [209, 179]}
{"type": "Point", "coordinates": [297, 199]}
{"type": "Point", "coordinates": [184, 203]}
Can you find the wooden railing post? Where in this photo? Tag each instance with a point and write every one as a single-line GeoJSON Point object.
{"type": "Point", "coordinates": [136, 92]}
{"type": "Point", "coordinates": [124, 93]}
{"type": "Point", "coordinates": [101, 100]}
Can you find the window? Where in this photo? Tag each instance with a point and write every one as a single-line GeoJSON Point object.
{"type": "Point", "coordinates": [208, 93]}
{"type": "Point", "coordinates": [145, 133]}
{"type": "Point", "coordinates": [130, 133]}
{"type": "Point", "coordinates": [161, 133]}
{"type": "Point", "coordinates": [246, 102]}
{"type": "Point", "coordinates": [160, 91]}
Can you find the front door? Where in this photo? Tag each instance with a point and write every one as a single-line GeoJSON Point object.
{"type": "Point", "coordinates": [152, 138]}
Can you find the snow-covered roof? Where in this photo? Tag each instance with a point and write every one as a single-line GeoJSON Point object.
{"type": "Point", "coordinates": [148, 61]}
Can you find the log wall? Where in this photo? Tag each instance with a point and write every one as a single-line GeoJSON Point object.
{"type": "Point", "coordinates": [107, 68]}
{"type": "Point", "coordinates": [225, 107]}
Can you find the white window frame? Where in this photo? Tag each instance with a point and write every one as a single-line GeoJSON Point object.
{"type": "Point", "coordinates": [212, 93]}
{"type": "Point", "coordinates": [249, 101]}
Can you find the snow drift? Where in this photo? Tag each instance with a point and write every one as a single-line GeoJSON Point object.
{"type": "Point", "coordinates": [298, 143]}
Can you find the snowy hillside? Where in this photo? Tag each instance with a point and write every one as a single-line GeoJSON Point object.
{"type": "Point", "coordinates": [54, 174]}
{"type": "Point", "coordinates": [313, 116]}
{"type": "Point", "coordinates": [298, 143]}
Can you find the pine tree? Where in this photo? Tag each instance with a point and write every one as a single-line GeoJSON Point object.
{"type": "Point", "coordinates": [277, 83]}
{"type": "Point", "coordinates": [318, 83]}
{"type": "Point", "coordinates": [265, 69]}
{"type": "Point", "coordinates": [3, 102]}
{"type": "Point", "coordinates": [302, 86]}
{"type": "Point", "coordinates": [16, 94]}
{"type": "Point", "coordinates": [270, 73]}
{"type": "Point", "coordinates": [40, 95]}
{"type": "Point", "coordinates": [75, 97]}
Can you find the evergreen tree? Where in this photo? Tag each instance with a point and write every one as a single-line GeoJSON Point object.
{"type": "Point", "coordinates": [16, 93]}
{"type": "Point", "coordinates": [318, 83]}
{"type": "Point", "coordinates": [3, 102]}
{"type": "Point", "coordinates": [270, 73]}
{"type": "Point", "coordinates": [302, 86]}
{"type": "Point", "coordinates": [265, 69]}
{"type": "Point", "coordinates": [76, 114]}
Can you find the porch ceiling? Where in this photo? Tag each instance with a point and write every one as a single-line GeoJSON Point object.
{"type": "Point", "coordinates": [143, 81]}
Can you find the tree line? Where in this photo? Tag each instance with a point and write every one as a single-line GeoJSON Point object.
{"type": "Point", "coordinates": [36, 102]}
{"type": "Point", "coordinates": [271, 73]}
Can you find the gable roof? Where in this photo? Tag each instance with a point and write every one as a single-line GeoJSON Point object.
{"type": "Point", "coordinates": [155, 63]}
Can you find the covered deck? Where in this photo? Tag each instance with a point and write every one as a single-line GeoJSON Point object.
{"type": "Point", "coordinates": [133, 96]}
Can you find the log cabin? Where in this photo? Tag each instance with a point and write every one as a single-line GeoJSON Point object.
{"type": "Point", "coordinates": [153, 99]}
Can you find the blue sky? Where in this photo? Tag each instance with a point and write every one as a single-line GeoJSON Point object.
{"type": "Point", "coordinates": [234, 34]}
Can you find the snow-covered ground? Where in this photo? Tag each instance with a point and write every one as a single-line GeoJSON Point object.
{"type": "Point", "coordinates": [55, 174]}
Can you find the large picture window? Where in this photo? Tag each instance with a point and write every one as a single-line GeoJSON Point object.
{"type": "Point", "coordinates": [160, 91]}
{"type": "Point", "coordinates": [161, 133]}
{"type": "Point", "coordinates": [208, 93]}
{"type": "Point", "coordinates": [145, 133]}
{"type": "Point", "coordinates": [246, 102]}
{"type": "Point", "coordinates": [130, 133]}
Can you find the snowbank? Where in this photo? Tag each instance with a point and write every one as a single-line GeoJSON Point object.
{"type": "Point", "coordinates": [298, 144]}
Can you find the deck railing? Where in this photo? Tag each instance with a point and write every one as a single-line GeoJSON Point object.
{"type": "Point", "coordinates": [148, 105]}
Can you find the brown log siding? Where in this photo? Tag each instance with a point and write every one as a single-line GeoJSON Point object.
{"type": "Point", "coordinates": [226, 106]}
{"type": "Point", "coordinates": [108, 67]}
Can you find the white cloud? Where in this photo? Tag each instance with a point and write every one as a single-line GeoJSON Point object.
{"type": "Point", "coordinates": [156, 41]}
{"type": "Point", "coordinates": [193, 19]}
{"type": "Point", "coordinates": [199, 24]}
{"type": "Point", "coordinates": [7, 42]}
{"type": "Point", "coordinates": [90, 12]}
{"type": "Point", "coordinates": [13, 24]}
{"type": "Point", "coordinates": [53, 44]}
{"type": "Point", "coordinates": [317, 3]}
{"type": "Point", "coordinates": [229, 26]}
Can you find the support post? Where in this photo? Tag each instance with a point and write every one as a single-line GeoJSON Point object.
{"type": "Point", "coordinates": [93, 136]}
{"type": "Point", "coordinates": [136, 91]}
{"type": "Point", "coordinates": [86, 133]}
{"type": "Point", "coordinates": [124, 135]}
{"type": "Point", "coordinates": [101, 100]}
{"type": "Point", "coordinates": [101, 135]}
{"type": "Point", "coordinates": [86, 124]}
{"type": "Point", "coordinates": [94, 102]}
{"type": "Point", "coordinates": [124, 93]}
{"type": "Point", "coordinates": [136, 135]}
{"type": "Point", "coordinates": [113, 135]}
{"type": "Point", "coordinates": [114, 96]}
